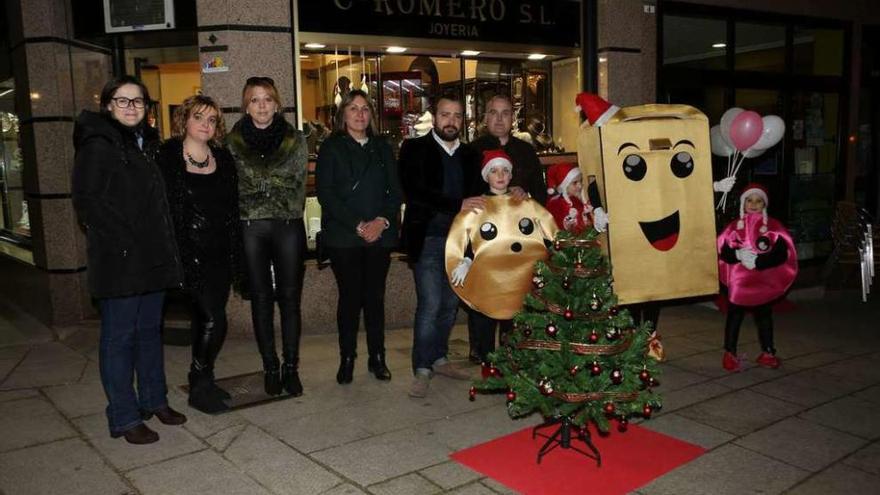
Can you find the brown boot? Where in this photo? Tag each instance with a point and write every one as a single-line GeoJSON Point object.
{"type": "Point", "coordinates": [139, 435]}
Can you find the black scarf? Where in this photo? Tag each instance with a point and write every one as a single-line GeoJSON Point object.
{"type": "Point", "coordinates": [263, 141]}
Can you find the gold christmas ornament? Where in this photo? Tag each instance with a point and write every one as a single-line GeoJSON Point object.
{"type": "Point", "coordinates": [506, 238]}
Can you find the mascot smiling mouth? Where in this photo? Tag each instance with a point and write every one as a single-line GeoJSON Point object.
{"type": "Point", "coordinates": [662, 234]}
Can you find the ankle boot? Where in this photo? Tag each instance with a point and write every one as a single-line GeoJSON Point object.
{"type": "Point", "coordinates": [376, 366]}
{"type": "Point", "coordinates": [290, 380]}
{"type": "Point", "coordinates": [201, 395]}
{"type": "Point", "coordinates": [346, 370]}
{"type": "Point", "coordinates": [215, 389]}
{"type": "Point", "coordinates": [272, 381]}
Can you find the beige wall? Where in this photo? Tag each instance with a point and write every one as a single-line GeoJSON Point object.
{"type": "Point", "coordinates": [566, 86]}
{"type": "Point", "coordinates": [178, 82]}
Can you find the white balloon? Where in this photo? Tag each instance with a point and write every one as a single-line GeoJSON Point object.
{"type": "Point", "coordinates": [774, 129]}
{"type": "Point", "coordinates": [720, 146]}
{"type": "Point", "coordinates": [726, 121]}
{"type": "Point", "coordinates": [753, 152]}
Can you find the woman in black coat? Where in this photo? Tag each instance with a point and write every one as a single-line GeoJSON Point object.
{"type": "Point", "coordinates": [359, 192]}
{"type": "Point", "coordinates": [202, 187]}
{"type": "Point", "coordinates": [119, 196]}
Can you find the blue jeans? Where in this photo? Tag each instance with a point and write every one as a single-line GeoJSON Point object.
{"type": "Point", "coordinates": [436, 306]}
{"type": "Point", "coordinates": [131, 343]}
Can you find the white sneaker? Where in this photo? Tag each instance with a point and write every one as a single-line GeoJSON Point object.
{"type": "Point", "coordinates": [419, 387]}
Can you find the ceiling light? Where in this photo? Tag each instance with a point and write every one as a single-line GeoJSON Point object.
{"type": "Point", "coordinates": [469, 53]}
{"type": "Point", "coordinates": [395, 49]}
{"type": "Point", "coordinates": [35, 96]}
{"type": "Point", "coordinates": [537, 56]}
{"type": "Point", "coordinates": [315, 46]}
{"type": "Point", "coordinates": [719, 45]}
{"type": "Point", "coordinates": [603, 59]}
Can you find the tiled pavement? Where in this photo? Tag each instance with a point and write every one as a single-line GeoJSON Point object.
{"type": "Point", "coordinates": [808, 428]}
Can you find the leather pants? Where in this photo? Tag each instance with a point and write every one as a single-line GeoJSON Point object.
{"type": "Point", "coordinates": [274, 251]}
{"type": "Point", "coordinates": [208, 322]}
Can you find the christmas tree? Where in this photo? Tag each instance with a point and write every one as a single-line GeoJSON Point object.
{"type": "Point", "coordinates": [573, 355]}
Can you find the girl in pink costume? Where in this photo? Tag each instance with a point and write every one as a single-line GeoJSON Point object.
{"type": "Point", "coordinates": [757, 263]}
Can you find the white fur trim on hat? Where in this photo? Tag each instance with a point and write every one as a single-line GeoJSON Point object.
{"type": "Point", "coordinates": [742, 207]}
{"type": "Point", "coordinates": [606, 115]}
{"type": "Point", "coordinates": [495, 162]}
{"type": "Point", "coordinates": [570, 177]}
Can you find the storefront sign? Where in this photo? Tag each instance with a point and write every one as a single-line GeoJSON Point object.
{"type": "Point", "coordinates": [530, 22]}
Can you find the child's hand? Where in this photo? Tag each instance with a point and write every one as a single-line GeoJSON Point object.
{"type": "Point", "coordinates": [460, 272]}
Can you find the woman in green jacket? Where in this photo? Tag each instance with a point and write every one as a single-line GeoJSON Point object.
{"type": "Point", "coordinates": [271, 157]}
{"type": "Point", "coordinates": [360, 200]}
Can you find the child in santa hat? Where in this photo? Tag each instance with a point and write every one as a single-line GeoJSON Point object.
{"type": "Point", "coordinates": [564, 185]}
{"type": "Point", "coordinates": [757, 263]}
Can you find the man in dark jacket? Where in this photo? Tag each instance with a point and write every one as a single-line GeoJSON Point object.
{"type": "Point", "coordinates": [440, 177]}
{"type": "Point", "coordinates": [527, 181]}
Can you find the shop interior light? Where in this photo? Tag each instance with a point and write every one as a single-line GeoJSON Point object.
{"type": "Point", "coordinates": [395, 49]}
{"type": "Point", "coordinates": [315, 46]}
{"type": "Point", "coordinates": [603, 59]}
{"type": "Point", "coordinates": [537, 56]}
{"type": "Point", "coordinates": [303, 56]}
{"type": "Point", "coordinates": [719, 45]}
{"type": "Point", "coordinates": [469, 53]}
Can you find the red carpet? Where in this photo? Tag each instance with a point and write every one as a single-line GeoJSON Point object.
{"type": "Point", "coordinates": [629, 460]}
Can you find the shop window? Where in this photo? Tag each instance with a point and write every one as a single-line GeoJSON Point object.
{"type": "Point", "coordinates": [13, 205]}
{"type": "Point", "coordinates": [694, 42]}
{"type": "Point", "coordinates": [818, 51]}
{"type": "Point", "coordinates": [760, 47]}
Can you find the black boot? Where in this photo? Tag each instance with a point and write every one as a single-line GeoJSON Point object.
{"type": "Point", "coordinates": [272, 381]}
{"type": "Point", "coordinates": [201, 396]}
{"type": "Point", "coordinates": [290, 379]}
{"type": "Point", "coordinates": [346, 370]}
{"type": "Point", "coordinates": [376, 365]}
{"type": "Point", "coordinates": [216, 390]}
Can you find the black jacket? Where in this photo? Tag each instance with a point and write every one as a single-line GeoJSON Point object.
{"type": "Point", "coordinates": [421, 176]}
{"type": "Point", "coordinates": [356, 183]}
{"type": "Point", "coordinates": [119, 196]}
{"type": "Point", "coordinates": [528, 173]}
{"type": "Point", "coordinates": [190, 224]}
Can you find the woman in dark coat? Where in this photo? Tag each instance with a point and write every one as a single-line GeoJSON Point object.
{"type": "Point", "coordinates": [202, 187]}
{"type": "Point", "coordinates": [271, 158]}
{"type": "Point", "coordinates": [359, 192]}
{"type": "Point", "coordinates": [119, 196]}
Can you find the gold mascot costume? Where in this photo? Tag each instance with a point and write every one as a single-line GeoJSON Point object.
{"type": "Point", "coordinates": [653, 169]}
{"type": "Point", "coordinates": [506, 239]}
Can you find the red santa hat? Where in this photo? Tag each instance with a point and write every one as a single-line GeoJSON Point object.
{"type": "Point", "coordinates": [560, 176]}
{"type": "Point", "coordinates": [495, 158]}
{"type": "Point", "coordinates": [750, 190]}
{"type": "Point", "coordinates": [595, 108]}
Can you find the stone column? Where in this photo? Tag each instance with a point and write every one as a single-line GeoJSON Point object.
{"type": "Point", "coordinates": [251, 38]}
{"type": "Point", "coordinates": [56, 76]}
{"type": "Point", "coordinates": [628, 51]}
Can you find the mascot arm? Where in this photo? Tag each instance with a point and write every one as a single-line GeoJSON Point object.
{"type": "Point", "coordinates": [775, 257]}
{"type": "Point", "coordinates": [728, 255]}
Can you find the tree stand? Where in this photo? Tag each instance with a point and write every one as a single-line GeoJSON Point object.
{"type": "Point", "coordinates": [562, 437]}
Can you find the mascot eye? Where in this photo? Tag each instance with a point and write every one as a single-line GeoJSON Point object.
{"type": "Point", "coordinates": [488, 231]}
{"type": "Point", "coordinates": [526, 226]}
{"type": "Point", "coordinates": [634, 167]}
{"type": "Point", "coordinates": [682, 164]}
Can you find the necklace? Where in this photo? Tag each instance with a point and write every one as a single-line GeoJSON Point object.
{"type": "Point", "coordinates": [198, 164]}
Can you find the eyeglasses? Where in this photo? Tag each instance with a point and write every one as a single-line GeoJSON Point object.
{"type": "Point", "coordinates": [258, 80]}
{"type": "Point", "coordinates": [123, 102]}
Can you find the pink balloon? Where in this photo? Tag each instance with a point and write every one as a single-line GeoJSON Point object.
{"type": "Point", "coordinates": [746, 129]}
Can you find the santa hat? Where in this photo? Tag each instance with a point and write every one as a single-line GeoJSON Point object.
{"type": "Point", "coordinates": [595, 108]}
{"type": "Point", "coordinates": [761, 192]}
{"type": "Point", "coordinates": [559, 176]}
{"type": "Point", "coordinates": [495, 158]}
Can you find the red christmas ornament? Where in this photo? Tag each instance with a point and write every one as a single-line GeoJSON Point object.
{"type": "Point", "coordinates": [551, 330]}
{"type": "Point", "coordinates": [652, 382]}
{"type": "Point", "coordinates": [472, 394]}
{"type": "Point", "coordinates": [568, 314]}
{"type": "Point", "coordinates": [613, 311]}
{"type": "Point", "coordinates": [612, 334]}
{"type": "Point", "coordinates": [616, 376]}
{"type": "Point", "coordinates": [578, 265]}
{"type": "Point", "coordinates": [574, 370]}
{"type": "Point", "coordinates": [595, 303]}
{"type": "Point", "coordinates": [538, 281]}
{"type": "Point", "coordinates": [511, 396]}
{"type": "Point", "coordinates": [493, 371]}
{"type": "Point", "coordinates": [646, 411]}
{"type": "Point", "coordinates": [608, 408]}
{"type": "Point", "coordinates": [644, 375]}
{"type": "Point", "coordinates": [484, 370]}
{"type": "Point", "coordinates": [545, 387]}
{"type": "Point", "coordinates": [557, 245]}
{"type": "Point", "coordinates": [594, 337]}
{"type": "Point", "coordinates": [595, 369]}
{"type": "Point", "coordinates": [622, 425]}
{"type": "Point", "coordinates": [527, 331]}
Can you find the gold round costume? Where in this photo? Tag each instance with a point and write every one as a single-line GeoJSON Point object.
{"type": "Point", "coordinates": [506, 238]}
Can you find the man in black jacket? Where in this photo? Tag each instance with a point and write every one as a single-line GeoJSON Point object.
{"type": "Point", "coordinates": [440, 177]}
{"type": "Point", "coordinates": [527, 181]}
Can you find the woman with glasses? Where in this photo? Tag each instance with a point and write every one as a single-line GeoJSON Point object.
{"type": "Point", "coordinates": [202, 186]}
{"type": "Point", "coordinates": [119, 196]}
{"type": "Point", "coordinates": [271, 157]}
{"type": "Point", "coordinates": [356, 178]}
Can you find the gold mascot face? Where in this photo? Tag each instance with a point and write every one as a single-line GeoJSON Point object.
{"type": "Point", "coordinates": [653, 164]}
{"type": "Point", "coordinates": [506, 238]}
